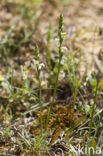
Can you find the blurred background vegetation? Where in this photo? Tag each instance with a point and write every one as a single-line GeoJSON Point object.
{"type": "Point", "coordinates": [36, 1]}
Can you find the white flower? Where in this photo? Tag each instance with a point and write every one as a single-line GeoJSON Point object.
{"type": "Point", "coordinates": [64, 48]}
{"type": "Point", "coordinates": [56, 39]}
{"type": "Point", "coordinates": [64, 34]}
{"type": "Point", "coordinates": [36, 62]}
{"type": "Point", "coordinates": [41, 65]}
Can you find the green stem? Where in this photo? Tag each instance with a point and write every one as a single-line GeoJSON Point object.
{"type": "Point", "coordinates": [48, 50]}
{"type": "Point", "coordinates": [75, 95]}
{"type": "Point", "coordinates": [49, 58]}
{"type": "Point", "coordinates": [40, 87]}
{"type": "Point", "coordinates": [93, 110]}
{"type": "Point", "coordinates": [40, 98]}
{"type": "Point", "coordinates": [74, 102]}
{"type": "Point", "coordinates": [59, 65]}
{"type": "Point", "coordinates": [54, 94]}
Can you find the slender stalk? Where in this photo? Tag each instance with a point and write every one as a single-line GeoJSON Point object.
{"type": "Point", "coordinates": [70, 146]}
{"type": "Point", "coordinates": [54, 94]}
{"type": "Point", "coordinates": [40, 87]}
{"type": "Point", "coordinates": [74, 102]}
{"type": "Point", "coordinates": [75, 95]}
{"type": "Point", "coordinates": [59, 65]}
{"type": "Point", "coordinates": [40, 98]}
{"type": "Point", "coordinates": [12, 78]}
{"type": "Point", "coordinates": [92, 112]}
{"type": "Point", "coordinates": [48, 50]}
